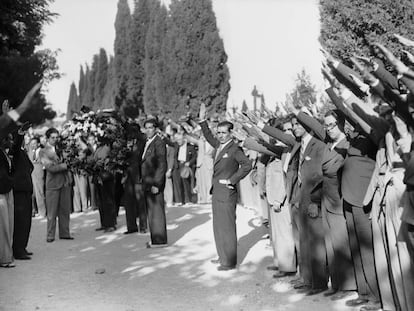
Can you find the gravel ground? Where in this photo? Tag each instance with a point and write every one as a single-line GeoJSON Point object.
{"type": "Point", "coordinates": [113, 271]}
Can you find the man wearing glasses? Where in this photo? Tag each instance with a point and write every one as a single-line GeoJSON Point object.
{"type": "Point", "coordinates": [58, 188]}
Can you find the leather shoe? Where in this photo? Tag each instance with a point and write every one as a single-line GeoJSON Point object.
{"type": "Point", "coordinates": [143, 231]}
{"type": "Point", "coordinates": [22, 257]}
{"type": "Point", "coordinates": [110, 229]}
{"type": "Point", "coordinates": [281, 274]}
{"type": "Point", "coordinates": [302, 286]}
{"type": "Point", "coordinates": [272, 268]}
{"type": "Point", "coordinates": [331, 292]}
{"type": "Point", "coordinates": [371, 307]}
{"type": "Point", "coordinates": [215, 261]}
{"type": "Point", "coordinates": [225, 268]}
{"type": "Point", "coordinates": [315, 291]}
{"type": "Point", "coordinates": [150, 245]}
{"type": "Point", "coordinates": [100, 229]}
{"type": "Point", "coordinates": [342, 294]}
{"type": "Point", "coordinates": [28, 253]}
{"type": "Point", "coordinates": [49, 240]}
{"type": "Point", "coordinates": [356, 302]}
{"type": "Point", "coordinates": [66, 238]}
{"type": "Point", "coordinates": [131, 231]}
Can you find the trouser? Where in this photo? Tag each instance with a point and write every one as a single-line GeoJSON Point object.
{"type": "Point", "coordinates": [185, 186]}
{"type": "Point", "coordinates": [39, 193]}
{"type": "Point", "coordinates": [168, 191]}
{"type": "Point", "coordinates": [360, 241]}
{"type": "Point", "coordinates": [92, 192]}
{"type": "Point", "coordinates": [282, 240]}
{"type": "Point", "coordinates": [135, 206]}
{"type": "Point", "coordinates": [106, 202]}
{"type": "Point", "coordinates": [6, 227]}
{"type": "Point", "coordinates": [177, 186]}
{"type": "Point", "coordinates": [156, 217]}
{"type": "Point", "coordinates": [341, 268]}
{"type": "Point", "coordinates": [118, 192]}
{"type": "Point", "coordinates": [22, 221]}
{"type": "Point", "coordinates": [80, 187]}
{"type": "Point", "coordinates": [224, 227]}
{"type": "Point", "coordinates": [58, 204]}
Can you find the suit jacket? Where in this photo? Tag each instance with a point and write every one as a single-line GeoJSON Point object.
{"type": "Point", "coordinates": [329, 188]}
{"type": "Point", "coordinates": [191, 155]}
{"type": "Point", "coordinates": [57, 174]}
{"type": "Point", "coordinates": [7, 125]}
{"type": "Point", "coordinates": [22, 177]}
{"type": "Point", "coordinates": [231, 163]}
{"type": "Point", "coordinates": [154, 165]}
{"type": "Point", "coordinates": [317, 163]}
{"type": "Point", "coordinates": [133, 171]}
{"type": "Point", "coordinates": [6, 174]}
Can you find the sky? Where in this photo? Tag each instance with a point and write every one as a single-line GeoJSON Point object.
{"type": "Point", "coordinates": [268, 42]}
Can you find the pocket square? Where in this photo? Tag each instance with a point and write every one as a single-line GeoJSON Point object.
{"type": "Point", "coordinates": [225, 155]}
{"type": "Point", "coordinates": [308, 158]}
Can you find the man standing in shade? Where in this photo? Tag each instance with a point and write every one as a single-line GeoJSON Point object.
{"type": "Point", "coordinates": [230, 166]}
{"type": "Point", "coordinates": [153, 169]}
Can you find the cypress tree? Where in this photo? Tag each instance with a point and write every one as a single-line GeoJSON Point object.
{"type": "Point", "coordinates": [195, 59]}
{"type": "Point", "coordinates": [153, 63]}
{"type": "Point", "coordinates": [73, 101]}
{"type": "Point", "coordinates": [138, 32]}
{"type": "Point", "coordinates": [100, 79]}
{"type": "Point", "coordinates": [108, 100]}
{"type": "Point", "coordinates": [81, 85]}
{"type": "Point", "coordinates": [90, 91]}
{"type": "Point", "coordinates": [351, 26]}
{"type": "Point", "coordinates": [121, 53]}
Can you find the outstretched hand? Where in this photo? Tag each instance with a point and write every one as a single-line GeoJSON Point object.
{"type": "Point", "coordinates": [399, 65]}
{"type": "Point", "coordinates": [5, 107]}
{"type": "Point", "coordinates": [202, 113]}
{"type": "Point", "coordinates": [404, 41]}
{"type": "Point", "coordinates": [28, 99]}
{"type": "Point", "coordinates": [329, 58]}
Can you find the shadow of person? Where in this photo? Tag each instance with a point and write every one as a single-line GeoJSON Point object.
{"type": "Point", "coordinates": [246, 242]}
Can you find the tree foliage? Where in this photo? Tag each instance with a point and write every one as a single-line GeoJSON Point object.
{"type": "Point", "coordinates": [21, 25]}
{"type": "Point", "coordinates": [351, 26]}
{"type": "Point", "coordinates": [303, 93]}
{"type": "Point", "coordinates": [195, 59]}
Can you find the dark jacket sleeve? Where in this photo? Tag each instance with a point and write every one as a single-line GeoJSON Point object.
{"type": "Point", "coordinates": [252, 144]}
{"type": "Point", "coordinates": [287, 139]}
{"type": "Point", "coordinates": [378, 125]}
{"type": "Point", "coordinates": [245, 166]}
{"type": "Point", "coordinates": [161, 155]}
{"type": "Point", "coordinates": [312, 124]}
{"type": "Point", "coordinates": [193, 155]}
{"type": "Point", "coordinates": [342, 73]}
{"type": "Point", "coordinates": [208, 135]}
{"type": "Point", "coordinates": [7, 125]}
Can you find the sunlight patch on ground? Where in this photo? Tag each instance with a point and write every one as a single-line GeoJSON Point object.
{"type": "Point", "coordinates": [233, 300]}
{"type": "Point", "coordinates": [296, 297]}
{"type": "Point", "coordinates": [281, 287]}
{"type": "Point", "coordinates": [172, 226]}
{"type": "Point", "coordinates": [90, 248]}
{"type": "Point", "coordinates": [108, 238]}
{"type": "Point", "coordinates": [184, 218]}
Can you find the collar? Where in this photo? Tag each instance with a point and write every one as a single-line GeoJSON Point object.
{"type": "Point", "coordinates": [222, 146]}
{"type": "Point", "coordinates": [149, 141]}
{"type": "Point", "coordinates": [306, 139]}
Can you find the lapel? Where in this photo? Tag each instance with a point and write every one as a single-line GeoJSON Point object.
{"type": "Point", "coordinates": [223, 152]}
{"type": "Point", "coordinates": [148, 149]}
{"type": "Point", "coordinates": [308, 150]}
{"type": "Point", "coordinates": [295, 148]}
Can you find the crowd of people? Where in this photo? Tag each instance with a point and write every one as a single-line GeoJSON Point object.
{"type": "Point", "coordinates": [335, 189]}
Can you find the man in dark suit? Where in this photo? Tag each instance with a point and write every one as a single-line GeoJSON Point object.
{"type": "Point", "coordinates": [230, 166]}
{"type": "Point", "coordinates": [22, 193]}
{"type": "Point", "coordinates": [153, 169]}
{"type": "Point", "coordinates": [133, 196]}
{"type": "Point", "coordinates": [58, 188]}
{"type": "Point", "coordinates": [105, 191]}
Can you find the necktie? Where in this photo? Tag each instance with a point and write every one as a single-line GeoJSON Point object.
{"type": "Point", "coordinates": [218, 151]}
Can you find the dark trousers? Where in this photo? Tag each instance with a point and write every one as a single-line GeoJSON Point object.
{"type": "Point", "coordinates": [362, 250]}
{"type": "Point", "coordinates": [224, 227]}
{"type": "Point", "coordinates": [156, 217]}
{"type": "Point", "coordinates": [135, 206]}
{"type": "Point", "coordinates": [309, 238]}
{"type": "Point", "coordinates": [341, 268]}
{"type": "Point", "coordinates": [22, 221]}
{"type": "Point", "coordinates": [178, 196]}
{"type": "Point", "coordinates": [106, 202]}
{"type": "Point", "coordinates": [118, 192]}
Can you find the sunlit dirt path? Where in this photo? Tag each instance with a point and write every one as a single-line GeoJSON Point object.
{"type": "Point", "coordinates": [113, 271]}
